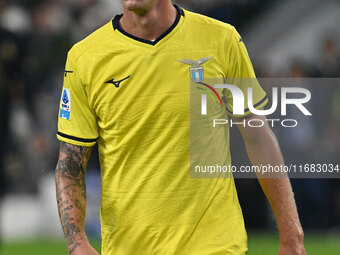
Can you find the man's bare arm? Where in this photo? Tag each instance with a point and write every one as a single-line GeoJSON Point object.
{"type": "Point", "coordinates": [71, 196]}
{"type": "Point", "coordinates": [263, 148]}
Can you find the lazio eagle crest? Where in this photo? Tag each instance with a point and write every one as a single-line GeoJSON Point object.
{"type": "Point", "coordinates": [196, 71]}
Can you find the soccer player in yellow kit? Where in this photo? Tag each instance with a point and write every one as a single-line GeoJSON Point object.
{"type": "Point", "coordinates": [127, 88]}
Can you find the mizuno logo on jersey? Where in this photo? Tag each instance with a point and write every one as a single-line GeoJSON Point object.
{"type": "Point", "coordinates": [66, 72]}
{"type": "Point", "coordinates": [117, 83]}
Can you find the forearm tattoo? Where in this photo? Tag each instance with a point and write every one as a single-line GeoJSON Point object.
{"type": "Point", "coordinates": [71, 191]}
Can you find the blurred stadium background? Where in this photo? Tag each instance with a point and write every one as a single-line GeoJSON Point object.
{"type": "Point", "coordinates": [284, 39]}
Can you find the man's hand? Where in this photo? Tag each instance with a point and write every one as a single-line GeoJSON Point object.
{"type": "Point", "coordinates": [71, 196]}
{"type": "Point", "coordinates": [85, 249]}
{"type": "Point", "coordinates": [291, 249]}
{"type": "Point", "coordinates": [291, 240]}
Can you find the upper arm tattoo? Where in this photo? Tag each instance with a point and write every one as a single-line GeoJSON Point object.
{"type": "Point", "coordinates": [71, 191]}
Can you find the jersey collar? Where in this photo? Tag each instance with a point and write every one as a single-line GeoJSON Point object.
{"type": "Point", "coordinates": [115, 24]}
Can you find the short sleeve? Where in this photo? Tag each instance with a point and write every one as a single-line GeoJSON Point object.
{"type": "Point", "coordinates": [76, 120]}
{"type": "Point", "coordinates": [240, 73]}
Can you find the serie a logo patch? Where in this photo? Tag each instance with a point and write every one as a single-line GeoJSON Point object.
{"type": "Point", "coordinates": [65, 105]}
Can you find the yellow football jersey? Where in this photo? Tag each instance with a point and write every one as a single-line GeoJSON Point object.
{"type": "Point", "coordinates": [132, 97]}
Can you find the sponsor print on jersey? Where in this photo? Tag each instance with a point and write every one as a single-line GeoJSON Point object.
{"type": "Point", "coordinates": [65, 105]}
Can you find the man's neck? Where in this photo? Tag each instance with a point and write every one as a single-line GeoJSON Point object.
{"type": "Point", "coordinates": [149, 25]}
